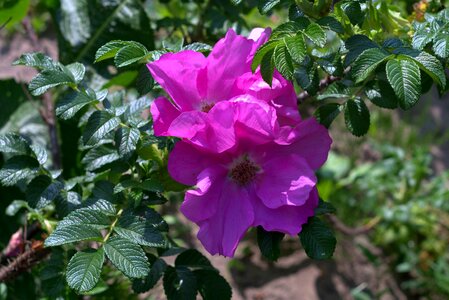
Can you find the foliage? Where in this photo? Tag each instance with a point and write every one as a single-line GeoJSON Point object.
{"type": "Point", "coordinates": [103, 212]}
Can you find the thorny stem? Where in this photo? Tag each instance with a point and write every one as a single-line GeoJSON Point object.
{"type": "Point", "coordinates": [111, 229]}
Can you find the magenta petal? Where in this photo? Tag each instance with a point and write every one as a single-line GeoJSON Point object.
{"type": "Point", "coordinates": [187, 124]}
{"type": "Point", "coordinates": [286, 219]}
{"type": "Point", "coordinates": [286, 180]}
{"type": "Point", "coordinates": [309, 139]}
{"type": "Point", "coordinates": [186, 162]}
{"type": "Point", "coordinates": [177, 73]}
{"type": "Point", "coordinates": [225, 63]}
{"type": "Point", "coordinates": [259, 36]}
{"type": "Point", "coordinates": [223, 231]}
{"type": "Point", "coordinates": [200, 204]}
{"type": "Point", "coordinates": [163, 113]}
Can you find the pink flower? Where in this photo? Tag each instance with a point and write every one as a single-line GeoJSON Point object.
{"type": "Point", "coordinates": [265, 178]}
{"type": "Point", "coordinates": [196, 83]}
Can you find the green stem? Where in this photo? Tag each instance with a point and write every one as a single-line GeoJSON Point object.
{"type": "Point", "coordinates": [111, 229]}
{"type": "Point", "coordinates": [99, 31]}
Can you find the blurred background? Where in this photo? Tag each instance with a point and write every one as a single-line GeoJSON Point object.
{"type": "Point", "coordinates": [390, 188]}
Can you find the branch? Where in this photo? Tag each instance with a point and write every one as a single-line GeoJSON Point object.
{"type": "Point", "coordinates": [340, 226]}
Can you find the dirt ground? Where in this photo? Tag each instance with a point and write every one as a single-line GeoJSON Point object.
{"type": "Point", "coordinates": [294, 276]}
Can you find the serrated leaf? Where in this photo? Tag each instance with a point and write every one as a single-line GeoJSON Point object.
{"type": "Point", "coordinates": [180, 283]}
{"type": "Point", "coordinates": [356, 44]}
{"type": "Point", "coordinates": [49, 78]}
{"type": "Point", "coordinates": [405, 79]}
{"type": "Point", "coordinates": [193, 259]}
{"type": "Point", "coordinates": [18, 168]}
{"type": "Point", "coordinates": [42, 190]}
{"type": "Point", "coordinates": [156, 271]}
{"type": "Point", "coordinates": [283, 61]}
{"type": "Point", "coordinates": [324, 207]}
{"type": "Point", "coordinates": [40, 153]}
{"type": "Point", "coordinates": [139, 230]}
{"type": "Point", "coordinates": [317, 239]}
{"type": "Point", "coordinates": [14, 144]}
{"type": "Point", "coordinates": [289, 29]}
{"type": "Point", "coordinates": [88, 217]}
{"type": "Point", "coordinates": [265, 6]}
{"type": "Point", "coordinates": [316, 34]}
{"type": "Point", "coordinates": [74, 22]}
{"type": "Point", "coordinates": [307, 77]}
{"type": "Point", "coordinates": [296, 47]}
{"type": "Point", "coordinates": [441, 45]}
{"type": "Point", "coordinates": [266, 48]}
{"type": "Point", "coordinates": [267, 67]}
{"type": "Point", "coordinates": [331, 23]}
{"type": "Point", "coordinates": [269, 243]}
{"type": "Point", "coordinates": [145, 81]}
{"type": "Point", "coordinates": [72, 233]}
{"type": "Point", "coordinates": [127, 257]}
{"type": "Point", "coordinates": [354, 11]}
{"type": "Point", "coordinates": [327, 113]}
{"type": "Point", "coordinates": [69, 106]}
{"type": "Point", "coordinates": [78, 70]}
{"type": "Point", "coordinates": [212, 285]}
{"type": "Point", "coordinates": [84, 269]}
{"type": "Point", "coordinates": [421, 39]}
{"type": "Point", "coordinates": [36, 60]}
{"type": "Point", "coordinates": [382, 95]}
{"type": "Point", "coordinates": [99, 124]}
{"type": "Point", "coordinates": [367, 63]}
{"type": "Point", "coordinates": [67, 202]}
{"type": "Point", "coordinates": [52, 274]}
{"type": "Point", "coordinates": [99, 157]}
{"type": "Point", "coordinates": [109, 50]}
{"type": "Point", "coordinates": [126, 140]}
{"type": "Point", "coordinates": [130, 54]}
{"type": "Point", "coordinates": [431, 65]}
{"type": "Point", "coordinates": [15, 206]}
{"type": "Point", "coordinates": [357, 117]}
{"type": "Point", "coordinates": [199, 47]}
{"type": "Point", "coordinates": [99, 204]}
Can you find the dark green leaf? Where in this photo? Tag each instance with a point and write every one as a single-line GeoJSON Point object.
{"type": "Point", "coordinates": [441, 45]}
{"type": "Point", "coordinates": [36, 60]}
{"type": "Point", "coordinates": [265, 49]}
{"type": "Point", "coordinates": [316, 34]}
{"type": "Point", "coordinates": [324, 208]}
{"type": "Point", "coordinates": [327, 113]}
{"type": "Point", "coordinates": [405, 79]}
{"type": "Point", "coordinates": [15, 206]}
{"type": "Point", "coordinates": [42, 190]}
{"type": "Point", "coordinates": [99, 124]}
{"type": "Point", "coordinates": [199, 47]}
{"type": "Point", "coordinates": [156, 271]}
{"type": "Point", "coordinates": [18, 168]}
{"type": "Point", "coordinates": [296, 47]}
{"type": "Point", "coordinates": [145, 81]}
{"type": "Point", "coordinates": [69, 106]}
{"type": "Point", "coordinates": [431, 65]}
{"type": "Point", "coordinates": [180, 283]}
{"type": "Point", "coordinates": [367, 63]}
{"type": "Point", "coordinates": [100, 157]}
{"type": "Point", "coordinates": [50, 78]}
{"type": "Point", "coordinates": [269, 243]}
{"type": "Point", "coordinates": [354, 12]}
{"type": "Point", "coordinates": [126, 141]}
{"type": "Point", "coordinates": [212, 285]}
{"type": "Point", "coordinates": [357, 117]}
{"type": "Point", "coordinates": [130, 54]}
{"type": "Point", "coordinates": [109, 50]}
{"type": "Point", "coordinates": [78, 70]}
{"type": "Point", "coordinates": [14, 144]}
{"type": "Point", "coordinates": [127, 257]}
{"type": "Point", "coordinates": [283, 61]}
{"type": "Point", "coordinates": [72, 233]}
{"type": "Point", "coordinates": [356, 44]}
{"type": "Point", "coordinates": [317, 239]}
{"type": "Point", "coordinates": [421, 39]}
{"type": "Point", "coordinates": [382, 95]}
{"type": "Point", "coordinates": [193, 259]}
{"type": "Point", "coordinates": [331, 23]}
{"type": "Point", "coordinates": [74, 22]}
{"type": "Point", "coordinates": [266, 5]}
{"type": "Point", "coordinates": [267, 67]}
{"type": "Point", "coordinates": [83, 270]}
{"type": "Point", "coordinates": [88, 217]}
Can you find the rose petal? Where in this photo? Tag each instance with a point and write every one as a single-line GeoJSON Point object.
{"type": "Point", "coordinates": [163, 113]}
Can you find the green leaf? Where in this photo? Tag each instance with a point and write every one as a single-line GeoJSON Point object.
{"type": "Point", "coordinates": [48, 79]}
{"type": "Point", "coordinates": [156, 271]}
{"type": "Point", "coordinates": [130, 54]}
{"type": "Point", "coordinates": [265, 49]}
{"type": "Point", "coordinates": [283, 61]}
{"type": "Point", "coordinates": [354, 11]}
{"type": "Point", "coordinates": [99, 124]}
{"type": "Point", "coordinates": [296, 47]}
{"type": "Point", "coordinates": [139, 230]}
{"type": "Point", "coordinates": [317, 239]}
{"type": "Point", "coordinates": [69, 106]}
{"type": "Point", "coordinates": [356, 44]}
{"type": "Point", "coordinates": [367, 63]}
{"type": "Point", "coordinates": [14, 144]}
{"type": "Point", "coordinates": [441, 45]}
{"type": "Point", "coordinates": [67, 234]}
{"type": "Point", "coordinates": [18, 168]}
{"type": "Point", "coordinates": [87, 217]}
{"type": "Point", "coordinates": [269, 243]}
{"type": "Point", "coordinates": [42, 190]}
{"type": "Point", "coordinates": [180, 283]}
{"type": "Point", "coordinates": [127, 257]}
{"type": "Point", "coordinates": [78, 70]}
{"type": "Point", "coordinates": [194, 259]}
{"type": "Point", "coordinates": [109, 50]}
{"type": "Point", "coordinates": [40, 153]}
{"type": "Point", "coordinates": [74, 22]}
{"type": "Point", "coordinates": [405, 79]}
{"type": "Point", "coordinates": [126, 140]}
{"type": "Point", "coordinates": [327, 113]}
{"type": "Point", "coordinates": [421, 39]}
{"type": "Point", "coordinates": [331, 23]}
{"type": "Point", "coordinates": [267, 67]}
{"type": "Point", "coordinates": [198, 47]}
{"type": "Point", "coordinates": [266, 5]}
{"type": "Point", "coordinates": [52, 275]}
{"type": "Point", "coordinates": [307, 76]}
{"type": "Point", "coordinates": [382, 95]}
{"type": "Point", "coordinates": [316, 34]}
{"type": "Point", "coordinates": [289, 29]}
{"type": "Point", "coordinates": [324, 208]}
{"type": "Point", "coordinates": [431, 65]}
{"type": "Point", "coordinates": [212, 285]}
{"type": "Point", "coordinates": [36, 60]}
{"type": "Point", "coordinates": [145, 81]}
{"type": "Point", "coordinates": [100, 157]}
{"type": "Point", "coordinates": [357, 117]}
{"type": "Point", "coordinates": [15, 206]}
{"type": "Point", "coordinates": [84, 269]}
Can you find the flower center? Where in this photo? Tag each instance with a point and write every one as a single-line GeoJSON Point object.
{"type": "Point", "coordinates": [206, 107]}
{"type": "Point", "coordinates": [244, 171]}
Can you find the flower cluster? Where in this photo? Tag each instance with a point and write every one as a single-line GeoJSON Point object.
{"type": "Point", "coordinates": [244, 147]}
